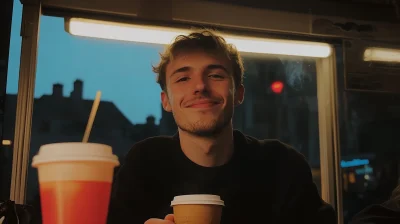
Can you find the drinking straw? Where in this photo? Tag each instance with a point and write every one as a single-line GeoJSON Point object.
{"type": "Point", "coordinates": [89, 125]}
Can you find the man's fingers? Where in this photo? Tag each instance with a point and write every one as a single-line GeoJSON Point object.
{"type": "Point", "coordinates": [170, 217]}
{"type": "Point", "coordinates": [158, 221]}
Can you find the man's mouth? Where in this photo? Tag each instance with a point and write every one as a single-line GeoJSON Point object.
{"type": "Point", "coordinates": [203, 103]}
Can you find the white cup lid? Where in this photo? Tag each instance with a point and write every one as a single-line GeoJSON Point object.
{"type": "Point", "coordinates": [196, 199]}
{"type": "Point", "coordinates": [74, 151]}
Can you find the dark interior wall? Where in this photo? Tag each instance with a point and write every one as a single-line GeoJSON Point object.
{"type": "Point", "coordinates": [368, 10]}
{"type": "Point", "coordinates": [5, 27]}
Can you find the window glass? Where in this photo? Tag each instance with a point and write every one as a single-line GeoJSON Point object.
{"type": "Point", "coordinates": [368, 125]}
{"type": "Point", "coordinates": [280, 100]}
{"type": "Point", "coordinates": [9, 69]}
{"type": "Point", "coordinates": [370, 149]}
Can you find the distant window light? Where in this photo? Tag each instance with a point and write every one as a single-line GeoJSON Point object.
{"type": "Point", "coordinates": [6, 142]}
{"type": "Point", "coordinates": [277, 87]}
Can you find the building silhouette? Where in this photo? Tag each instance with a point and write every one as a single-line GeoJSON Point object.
{"type": "Point", "coordinates": [59, 118]}
{"type": "Point", "coordinates": [291, 116]}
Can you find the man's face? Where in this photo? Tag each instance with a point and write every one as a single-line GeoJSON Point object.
{"type": "Point", "coordinates": [200, 92]}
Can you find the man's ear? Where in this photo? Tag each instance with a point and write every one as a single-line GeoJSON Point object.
{"type": "Point", "coordinates": [165, 101]}
{"type": "Point", "coordinates": [239, 95]}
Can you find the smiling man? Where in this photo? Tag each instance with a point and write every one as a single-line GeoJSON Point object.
{"type": "Point", "coordinates": [260, 181]}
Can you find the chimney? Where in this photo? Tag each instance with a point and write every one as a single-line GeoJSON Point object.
{"type": "Point", "coordinates": [57, 90]}
{"type": "Point", "coordinates": [78, 90]}
{"type": "Point", "coordinates": [150, 120]}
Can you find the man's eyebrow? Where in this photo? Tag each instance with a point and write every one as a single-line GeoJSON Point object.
{"type": "Point", "coordinates": [217, 66]}
{"type": "Point", "coordinates": [183, 69]}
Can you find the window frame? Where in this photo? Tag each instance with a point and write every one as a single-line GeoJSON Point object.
{"type": "Point", "coordinates": [327, 113]}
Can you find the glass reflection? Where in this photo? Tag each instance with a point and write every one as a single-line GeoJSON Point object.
{"type": "Point", "coordinates": [280, 103]}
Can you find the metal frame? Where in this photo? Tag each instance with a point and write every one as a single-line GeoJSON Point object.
{"type": "Point", "coordinates": [327, 112]}
{"type": "Point", "coordinates": [312, 22]}
{"type": "Point", "coordinates": [328, 131]}
{"type": "Point", "coordinates": [26, 87]}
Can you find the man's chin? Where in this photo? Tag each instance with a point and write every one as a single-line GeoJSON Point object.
{"type": "Point", "coordinates": [203, 130]}
{"type": "Point", "coordinates": [206, 132]}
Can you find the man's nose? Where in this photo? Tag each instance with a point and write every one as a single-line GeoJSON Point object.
{"type": "Point", "coordinates": [200, 84]}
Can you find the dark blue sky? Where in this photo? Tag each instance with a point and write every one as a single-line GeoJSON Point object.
{"type": "Point", "coordinates": [121, 70]}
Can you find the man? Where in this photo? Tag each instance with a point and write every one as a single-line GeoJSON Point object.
{"type": "Point", "coordinates": [385, 213]}
{"type": "Point", "coordinates": [201, 77]}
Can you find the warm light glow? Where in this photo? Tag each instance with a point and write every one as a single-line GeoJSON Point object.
{"type": "Point", "coordinates": [163, 35]}
{"type": "Point", "coordinates": [277, 87]}
{"type": "Point", "coordinates": [382, 54]}
{"type": "Point", "coordinates": [352, 178]}
{"type": "Point", "coordinates": [6, 142]}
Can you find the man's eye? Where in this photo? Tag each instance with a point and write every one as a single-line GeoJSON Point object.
{"type": "Point", "coordinates": [216, 76]}
{"type": "Point", "coordinates": [182, 79]}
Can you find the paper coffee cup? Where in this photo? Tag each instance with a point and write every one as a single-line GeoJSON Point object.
{"type": "Point", "coordinates": [75, 182]}
{"type": "Point", "coordinates": [197, 209]}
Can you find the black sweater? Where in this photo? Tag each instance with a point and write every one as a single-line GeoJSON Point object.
{"type": "Point", "coordinates": [264, 182]}
{"type": "Point", "coordinates": [385, 213]}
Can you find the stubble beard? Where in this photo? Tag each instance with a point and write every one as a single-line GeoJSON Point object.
{"type": "Point", "coordinates": [203, 128]}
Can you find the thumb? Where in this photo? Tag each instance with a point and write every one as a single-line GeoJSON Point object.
{"type": "Point", "coordinates": [170, 217]}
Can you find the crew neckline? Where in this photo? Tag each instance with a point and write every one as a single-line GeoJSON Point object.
{"type": "Point", "coordinates": [238, 140]}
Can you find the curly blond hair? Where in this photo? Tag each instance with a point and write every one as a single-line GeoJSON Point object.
{"type": "Point", "coordinates": [206, 40]}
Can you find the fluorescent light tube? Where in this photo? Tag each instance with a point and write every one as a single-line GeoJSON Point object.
{"type": "Point", "coordinates": [164, 35]}
{"type": "Point", "coordinates": [382, 54]}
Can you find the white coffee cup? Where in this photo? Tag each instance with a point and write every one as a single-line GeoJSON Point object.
{"type": "Point", "coordinates": [75, 182]}
{"type": "Point", "coordinates": [197, 209]}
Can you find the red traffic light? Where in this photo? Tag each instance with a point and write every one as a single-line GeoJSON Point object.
{"type": "Point", "coordinates": [277, 87]}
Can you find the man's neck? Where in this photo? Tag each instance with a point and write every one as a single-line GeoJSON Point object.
{"type": "Point", "coordinates": [208, 151]}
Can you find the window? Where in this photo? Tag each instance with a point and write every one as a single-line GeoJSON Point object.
{"type": "Point", "coordinates": [280, 101]}
{"type": "Point", "coordinates": [9, 67]}
{"type": "Point", "coordinates": [368, 128]}
{"type": "Point", "coordinates": [370, 149]}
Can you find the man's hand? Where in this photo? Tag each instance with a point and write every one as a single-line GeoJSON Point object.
{"type": "Point", "coordinates": [169, 219]}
